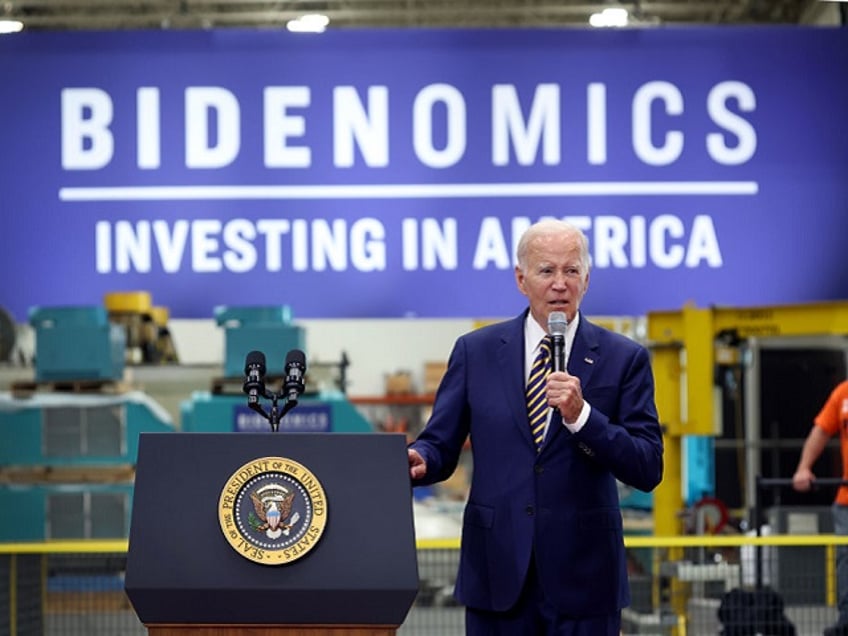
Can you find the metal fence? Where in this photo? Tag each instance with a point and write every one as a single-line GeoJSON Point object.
{"type": "Point", "coordinates": [680, 586]}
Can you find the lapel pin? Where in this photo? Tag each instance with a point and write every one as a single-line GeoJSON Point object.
{"type": "Point", "coordinates": [588, 361]}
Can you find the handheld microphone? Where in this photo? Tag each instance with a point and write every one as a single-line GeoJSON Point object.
{"type": "Point", "coordinates": [295, 369]}
{"type": "Point", "coordinates": [557, 324]}
{"type": "Point", "coordinates": [254, 369]}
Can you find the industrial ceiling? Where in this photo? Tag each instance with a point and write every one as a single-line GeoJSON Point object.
{"type": "Point", "coordinates": [346, 14]}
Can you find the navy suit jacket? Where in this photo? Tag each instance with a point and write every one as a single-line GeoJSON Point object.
{"type": "Point", "coordinates": [560, 504]}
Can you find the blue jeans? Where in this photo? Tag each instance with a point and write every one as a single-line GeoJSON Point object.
{"type": "Point", "coordinates": [840, 527]}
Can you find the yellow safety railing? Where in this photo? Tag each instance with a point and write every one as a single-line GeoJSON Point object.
{"type": "Point", "coordinates": [710, 567]}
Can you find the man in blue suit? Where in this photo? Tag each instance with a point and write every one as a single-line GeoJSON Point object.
{"type": "Point", "coordinates": [542, 539]}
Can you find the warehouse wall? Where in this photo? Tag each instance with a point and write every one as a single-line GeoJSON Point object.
{"type": "Point", "coordinates": [374, 347]}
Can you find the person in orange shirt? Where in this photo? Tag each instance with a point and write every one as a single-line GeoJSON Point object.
{"type": "Point", "coordinates": [831, 420]}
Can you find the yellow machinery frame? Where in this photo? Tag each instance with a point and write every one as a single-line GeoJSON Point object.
{"type": "Point", "coordinates": [684, 352]}
{"type": "Point", "coordinates": [683, 345]}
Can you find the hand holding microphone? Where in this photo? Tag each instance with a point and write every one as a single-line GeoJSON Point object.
{"type": "Point", "coordinates": [566, 396]}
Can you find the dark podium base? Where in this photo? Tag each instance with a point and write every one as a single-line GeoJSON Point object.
{"type": "Point", "coordinates": [271, 630]}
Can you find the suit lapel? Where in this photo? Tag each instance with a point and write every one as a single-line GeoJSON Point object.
{"type": "Point", "coordinates": [510, 356]}
{"type": "Point", "coordinates": [584, 352]}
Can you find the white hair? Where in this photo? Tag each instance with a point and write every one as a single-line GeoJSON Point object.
{"type": "Point", "coordinates": [552, 226]}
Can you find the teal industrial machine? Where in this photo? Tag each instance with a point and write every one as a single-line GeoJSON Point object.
{"type": "Point", "coordinates": [68, 461]}
{"type": "Point", "coordinates": [67, 456]}
{"type": "Point", "coordinates": [77, 343]}
{"type": "Point", "coordinates": [322, 412]}
{"type": "Point", "coordinates": [270, 330]}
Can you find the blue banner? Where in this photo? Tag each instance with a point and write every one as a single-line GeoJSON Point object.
{"type": "Point", "coordinates": [305, 418]}
{"type": "Point", "coordinates": [390, 173]}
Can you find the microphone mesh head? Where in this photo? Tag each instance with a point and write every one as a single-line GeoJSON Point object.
{"type": "Point", "coordinates": [297, 357]}
{"type": "Point", "coordinates": [557, 323]}
{"type": "Point", "coordinates": [257, 359]}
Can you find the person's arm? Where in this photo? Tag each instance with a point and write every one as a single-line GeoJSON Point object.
{"type": "Point", "coordinates": [813, 447]}
{"type": "Point", "coordinates": [434, 454]}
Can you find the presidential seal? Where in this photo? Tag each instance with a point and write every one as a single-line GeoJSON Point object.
{"type": "Point", "coordinates": [272, 510]}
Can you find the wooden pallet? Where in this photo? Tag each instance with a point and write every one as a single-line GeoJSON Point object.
{"type": "Point", "coordinates": [26, 388]}
{"type": "Point", "coordinates": [234, 385]}
{"type": "Point", "coordinates": [112, 474]}
{"type": "Point", "coordinates": [86, 602]}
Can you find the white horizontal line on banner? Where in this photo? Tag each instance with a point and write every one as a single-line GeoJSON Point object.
{"type": "Point", "coordinates": [413, 191]}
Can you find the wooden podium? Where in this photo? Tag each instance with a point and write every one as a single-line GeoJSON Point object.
{"type": "Point", "coordinates": [187, 573]}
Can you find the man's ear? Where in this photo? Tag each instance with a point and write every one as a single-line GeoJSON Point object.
{"type": "Point", "coordinates": [519, 280]}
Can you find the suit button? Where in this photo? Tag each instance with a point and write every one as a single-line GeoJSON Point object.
{"type": "Point", "coordinates": [539, 469]}
{"type": "Point", "coordinates": [529, 511]}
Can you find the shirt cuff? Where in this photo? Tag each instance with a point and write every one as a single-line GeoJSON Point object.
{"type": "Point", "coordinates": [581, 419]}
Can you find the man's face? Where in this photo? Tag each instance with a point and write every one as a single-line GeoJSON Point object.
{"type": "Point", "coordinates": [554, 278]}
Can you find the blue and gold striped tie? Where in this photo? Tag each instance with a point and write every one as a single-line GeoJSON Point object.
{"type": "Point", "coordinates": [536, 399]}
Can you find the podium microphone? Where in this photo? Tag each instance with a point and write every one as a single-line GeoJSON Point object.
{"type": "Point", "coordinates": [557, 324]}
{"type": "Point", "coordinates": [254, 369]}
{"type": "Point", "coordinates": [295, 369]}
